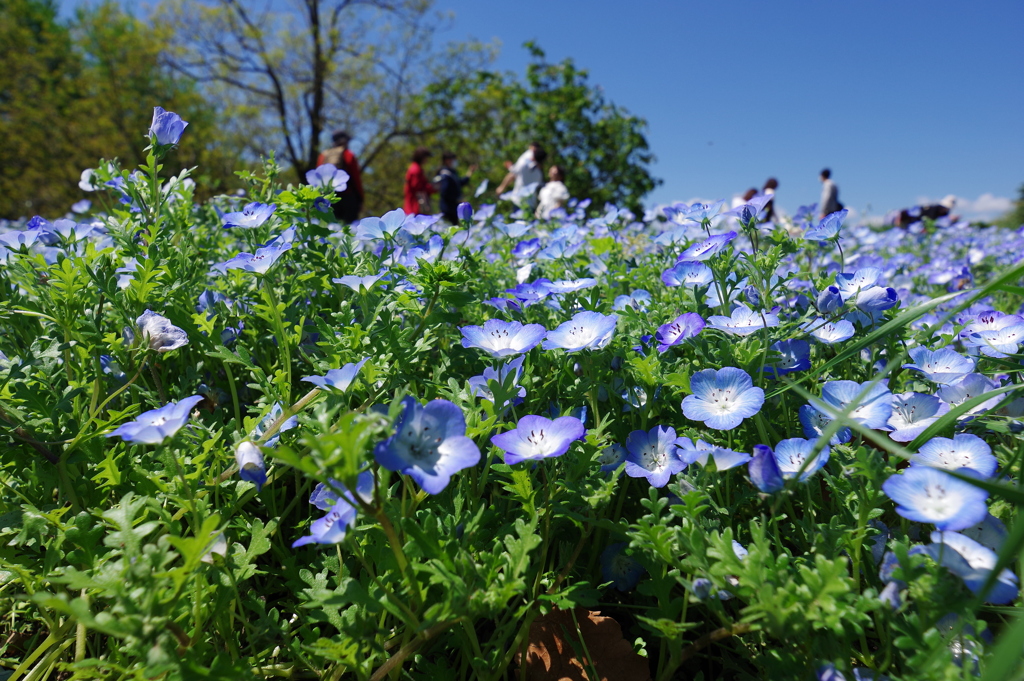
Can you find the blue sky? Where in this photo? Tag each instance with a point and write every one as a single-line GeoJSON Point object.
{"type": "Point", "coordinates": [903, 100]}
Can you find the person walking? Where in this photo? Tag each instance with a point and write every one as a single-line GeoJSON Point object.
{"type": "Point", "coordinates": [829, 202]}
{"type": "Point", "coordinates": [350, 204]}
{"type": "Point", "coordinates": [417, 188]}
{"type": "Point", "coordinates": [525, 171]}
{"type": "Point", "coordinates": [449, 186]}
{"type": "Point", "coordinates": [553, 195]}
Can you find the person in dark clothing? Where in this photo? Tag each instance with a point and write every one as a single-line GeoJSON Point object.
{"type": "Point", "coordinates": [770, 185]}
{"type": "Point", "coordinates": [350, 204]}
{"type": "Point", "coordinates": [449, 185]}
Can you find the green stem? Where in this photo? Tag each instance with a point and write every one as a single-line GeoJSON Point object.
{"type": "Point", "coordinates": [282, 338]}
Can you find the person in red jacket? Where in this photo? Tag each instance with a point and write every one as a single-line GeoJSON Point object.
{"type": "Point", "coordinates": [350, 204]}
{"type": "Point", "coordinates": [417, 188]}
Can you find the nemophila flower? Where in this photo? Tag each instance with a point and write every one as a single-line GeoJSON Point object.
{"type": "Point", "coordinates": [526, 249]}
{"type": "Point", "coordinates": [337, 379]}
{"type": "Point", "coordinates": [876, 299]}
{"type": "Point", "coordinates": [570, 286]}
{"type": "Point", "coordinates": [930, 495]}
{"type": "Point", "coordinates": [251, 467]}
{"type": "Point", "coordinates": [159, 334]}
{"type": "Point", "coordinates": [253, 215]}
{"type": "Point", "coordinates": [687, 273]}
{"type": "Point", "coordinates": [341, 511]}
{"type": "Point", "coordinates": [618, 568]}
{"type": "Point", "coordinates": [829, 300]}
{"type": "Point", "coordinates": [321, 205]}
{"type": "Point", "coordinates": [480, 385]}
{"type": "Point", "coordinates": [872, 410]}
{"type": "Point", "coordinates": [429, 444]}
{"type": "Point", "coordinates": [998, 342]}
{"type": "Point", "coordinates": [708, 248]}
{"type": "Point", "coordinates": [963, 451]}
{"type": "Point", "coordinates": [533, 292]}
{"type": "Point", "coordinates": [686, 325]}
{"type": "Point", "coordinates": [535, 438]}
{"type": "Point", "coordinates": [166, 127]}
{"type": "Point", "coordinates": [653, 455]}
{"type": "Point", "coordinates": [514, 230]}
{"type": "Point", "coordinates": [585, 330]}
{"type": "Point", "coordinates": [764, 470]}
{"type": "Point", "coordinates": [944, 366]}
{"type": "Point", "coordinates": [971, 386]}
{"type": "Point", "coordinates": [829, 332]}
{"type": "Point", "coordinates": [328, 177]}
{"type": "Point", "coordinates": [387, 225]}
{"type": "Point", "coordinates": [912, 413]}
{"type": "Point", "coordinates": [791, 454]}
{"type": "Point", "coordinates": [828, 228]}
{"type": "Point", "coordinates": [357, 283]}
{"type": "Point", "coordinates": [749, 211]}
{"type": "Point", "coordinates": [464, 211]}
{"type": "Point", "coordinates": [156, 425]}
{"type": "Point", "coordinates": [723, 398]}
{"type": "Point", "coordinates": [504, 304]}
{"type": "Point", "coordinates": [743, 321]}
{"type": "Point", "coordinates": [611, 457]}
{"type": "Point", "coordinates": [271, 417]}
{"type": "Point", "coordinates": [698, 451]}
{"type": "Point", "coordinates": [973, 563]}
{"type": "Point", "coordinates": [698, 212]}
{"type": "Point", "coordinates": [794, 355]}
{"type": "Point", "coordinates": [258, 262]}
{"type": "Point", "coordinates": [502, 339]}
{"type": "Point", "coordinates": [850, 284]}
{"type": "Point", "coordinates": [19, 239]}
{"type": "Point", "coordinates": [638, 300]}
{"type": "Point", "coordinates": [814, 422]}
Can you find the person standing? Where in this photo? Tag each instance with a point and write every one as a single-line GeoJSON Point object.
{"type": "Point", "coordinates": [525, 171]}
{"type": "Point", "coordinates": [350, 204]}
{"type": "Point", "coordinates": [829, 202]}
{"type": "Point", "coordinates": [770, 185]}
{"type": "Point", "coordinates": [449, 185]}
{"type": "Point", "coordinates": [417, 188]}
{"type": "Point", "coordinates": [553, 195]}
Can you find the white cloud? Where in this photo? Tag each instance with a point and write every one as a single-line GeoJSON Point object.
{"type": "Point", "coordinates": [985, 207]}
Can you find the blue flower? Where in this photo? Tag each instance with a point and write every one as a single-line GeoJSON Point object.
{"type": "Point", "coordinates": [337, 379]}
{"type": "Point", "coordinates": [828, 228]}
{"type": "Point", "coordinates": [341, 511]}
{"type": "Point", "coordinates": [829, 300]}
{"type": "Point", "coordinates": [159, 334]}
{"type": "Point", "coordinates": [687, 273]}
{"type": "Point", "coordinates": [743, 321]}
{"type": "Point", "coordinates": [686, 325]}
{"type": "Point", "coordinates": [322, 205]}
{"type": "Point", "coordinates": [912, 413]}
{"type": "Point", "coordinates": [480, 385]}
{"type": "Point", "coordinates": [502, 339]}
{"type": "Point", "coordinates": [872, 410]}
{"type": "Point", "coordinates": [429, 444]}
{"type": "Point", "coordinates": [708, 248]}
{"type": "Point", "coordinates": [464, 211]}
{"type": "Point", "coordinates": [535, 438]}
{"type": "Point", "coordinates": [653, 455]}
{"type": "Point", "coordinates": [372, 228]}
{"type": "Point", "coordinates": [259, 262]}
{"type": "Point", "coordinates": [585, 330]}
{"type": "Point", "coordinates": [764, 470]}
{"type": "Point", "coordinates": [357, 283]}
{"type": "Point", "coordinates": [876, 299]}
{"type": "Point", "coordinates": [268, 419]}
{"type": "Point", "coordinates": [972, 385]}
{"type": "Point", "coordinates": [698, 451]}
{"type": "Point", "coordinates": [251, 467]}
{"type": "Point", "coordinates": [963, 451]}
{"type": "Point", "coordinates": [166, 127]}
{"type": "Point", "coordinates": [791, 454]}
{"type": "Point", "coordinates": [328, 177]}
{"type": "Point", "coordinates": [156, 425]}
{"type": "Point", "coordinates": [973, 563]}
{"type": "Point", "coordinates": [616, 567]}
{"type": "Point", "coordinates": [611, 457]}
{"type": "Point", "coordinates": [849, 285]}
{"type": "Point", "coordinates": [253, 215]}
{"type": "Point", "coordinates": [570, 286]}
{"type": "Point", "coordinates": [723, 398]}
{"type": "Point", "coordinates": [930, 495]}
{"type": "Point", "coordinates": [795, 356]}
{"type": "Point", "coordinates": [944, 366]}
{"type": "Point", "coordinates": [814, 423]}
{"type": "Point", "coordinates": [994, 333]}
{"type": "Point", "coordinates": [638, 300]}
{"type": "Point", "coordinates": [829, 332]}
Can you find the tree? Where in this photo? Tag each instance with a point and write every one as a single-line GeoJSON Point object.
{"type": "Point", "coordinates": [288, 77]}
{"type": "Point", "coordinates": [489, 117]}
{"type": "Point", "coordinates": [73, 93]}
{"type": "Point", "coordinates": [1015, 218]}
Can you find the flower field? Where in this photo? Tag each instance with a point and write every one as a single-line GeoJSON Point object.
{"type": "Point", "coordinates": [243, 441]}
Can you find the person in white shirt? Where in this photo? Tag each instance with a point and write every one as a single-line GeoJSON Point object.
{"type": "Point", "coordinates": [525, 171]}
{"type": "Point", "coordinates": [553, 195]}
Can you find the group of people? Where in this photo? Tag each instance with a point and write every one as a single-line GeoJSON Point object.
{"type": "Point", "coordinates": [524, 174]}
{"type": "Point", "coordinates": [829, 202]}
